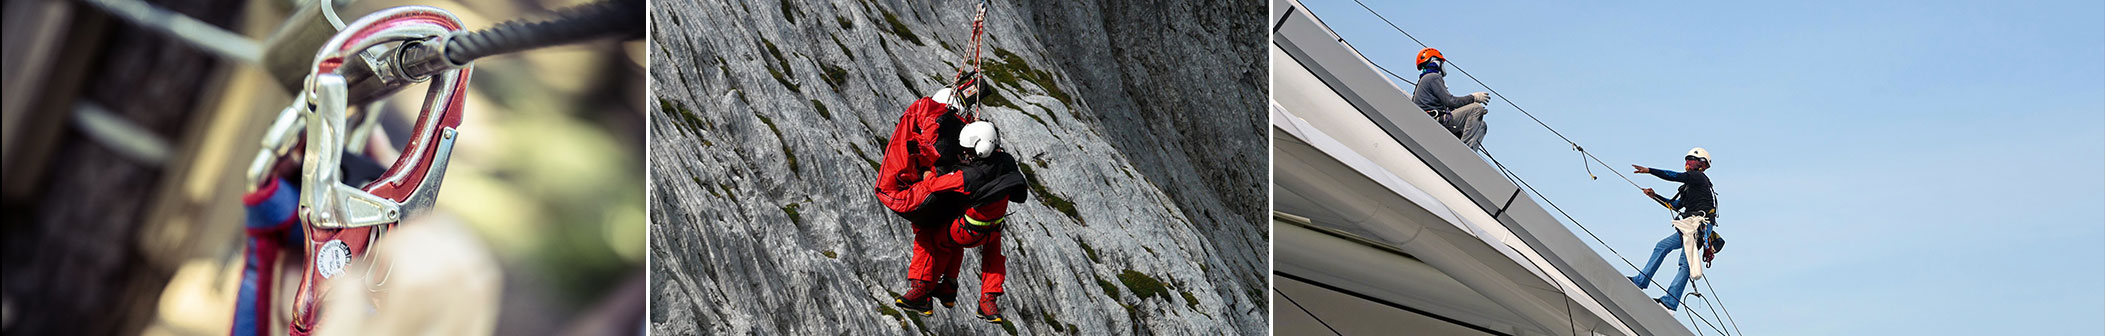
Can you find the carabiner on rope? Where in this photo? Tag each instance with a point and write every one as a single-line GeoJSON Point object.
{"type": "Point", "coordinates": [342, 222]}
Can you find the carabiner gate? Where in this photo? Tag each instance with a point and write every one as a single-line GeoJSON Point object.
{"type": "Point", "coordinates": [342, 222]}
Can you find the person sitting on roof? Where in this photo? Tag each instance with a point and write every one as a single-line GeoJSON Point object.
{"type": "Point", "coordinates": [1696, 206]}
{"type": "Point", "coordinates": [1462, 115]}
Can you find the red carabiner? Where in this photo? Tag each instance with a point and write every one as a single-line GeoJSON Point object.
{"type": "Point", "coordinates": [342, 222]}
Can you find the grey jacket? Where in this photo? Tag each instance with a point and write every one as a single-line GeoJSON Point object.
{"type": "Point", "coordinates": [1431, 94]}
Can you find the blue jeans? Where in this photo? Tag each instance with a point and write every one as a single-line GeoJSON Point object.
{"type": "Point", "coordinates": [1659, 252]}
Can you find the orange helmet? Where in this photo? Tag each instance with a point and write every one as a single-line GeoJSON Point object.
{"type": "Point", "coordinates": [1427, 55]}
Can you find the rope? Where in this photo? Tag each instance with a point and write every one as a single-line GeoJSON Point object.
{"type": "Point", "coordinates": [1501, 96]}
{"type": "Point", "coordinates": [979, 21]}
{"type": "Point", "coordinates": [1699, 332]}
{"type": "Point", "coordinates": [1706, 300]}
{"type": "Point", "coordinates": [608, 18]}
{"type": "Point", "coordinates": [1721, 305]}
{"type": "Point", "coordinates": [1304, 310]}
{"type": "Point", "coordinates": [1391, 73]}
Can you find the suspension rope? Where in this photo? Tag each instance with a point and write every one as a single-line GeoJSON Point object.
{"type": "Point", "coordinates": [1386, 69]}
{"type": "Point", "coordinates": [979, 30]}
{"type": "Point", "coordinates": [1501, 96]}
{"type": "Point", "coordinates": [1707, 303]}
{"type": "Point", "coordinates": [1721, 305]}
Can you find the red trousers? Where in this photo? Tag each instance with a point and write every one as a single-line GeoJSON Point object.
{"type": "Point", "coordinates": [939, 247]}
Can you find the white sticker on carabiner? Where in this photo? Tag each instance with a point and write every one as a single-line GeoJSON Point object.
{"type": "Point", "coordinates": [331, 258]}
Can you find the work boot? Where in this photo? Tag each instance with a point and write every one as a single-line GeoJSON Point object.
{"type": "Point", "coordinates": [988, 310]}
{"type": "Point", "coordinates": [946, 292]}
{"type": "Point", "coordinates": [916, 298]}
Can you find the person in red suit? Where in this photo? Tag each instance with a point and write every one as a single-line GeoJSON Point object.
{"type": "Point", "coordinates": [953, 185]}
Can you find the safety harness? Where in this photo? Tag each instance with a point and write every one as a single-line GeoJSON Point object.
{"type": "Point", "coordinates": [985, 225]}
{"type": "Point", "coordinates": [1712, 243]}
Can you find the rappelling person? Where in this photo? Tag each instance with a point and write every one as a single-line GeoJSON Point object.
{"type": "Point", "coordinates": [953, 184]}
{"type": "Point", "coordinates": [1695, 206]}
{"type": "Point", "coordinates": [908, 182]}
{"type": "Point", "coordinates": [924, 178]}
{"type": "Point", "coordinates": [1461, 115]}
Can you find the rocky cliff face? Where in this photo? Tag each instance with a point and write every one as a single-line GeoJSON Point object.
{"type": "Point", "coordinates": [1140, 126]}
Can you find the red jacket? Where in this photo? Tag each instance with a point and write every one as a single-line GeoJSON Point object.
{"type": "Point", "coordinates": [912, 152]}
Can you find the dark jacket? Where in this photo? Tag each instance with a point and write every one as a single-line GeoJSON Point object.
{"type": "Point", "coordinates": [993, 177]}
{"type": "Point", "coordinates": [1431, 94]}
{"type": "Point", "coordinates": [1695, 194]}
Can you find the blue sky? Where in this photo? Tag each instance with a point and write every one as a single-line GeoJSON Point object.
{"type": "Point", "coordinates": [1884, 168]}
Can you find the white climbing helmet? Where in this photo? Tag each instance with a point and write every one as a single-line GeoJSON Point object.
{"type": "Point", "coordinates": [1699, 154]}
{"type": "Point", "coordinates": [980, 137]}
{"type": "Point", "coordinates": [951, 95]}
{"type": "Point", "coordinates": [945, 96]}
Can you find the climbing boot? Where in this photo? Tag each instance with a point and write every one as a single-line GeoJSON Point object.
{"type": "Point", "coordinates": [917, 298]}
{"type": "Point", "coordinates": [988, 310]}
{"type": "Point", "coordinates": [946, 292]}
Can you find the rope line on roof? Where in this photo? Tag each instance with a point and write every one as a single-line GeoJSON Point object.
{"type": "Point", "coordinates": [1721, 304]}
{"type": "Point", "coordinates": [1494, 92]}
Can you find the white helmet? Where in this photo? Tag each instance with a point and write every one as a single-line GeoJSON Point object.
{"type": "Point", "coordinates": [1699, 154]}
{"type": "Point", "coordinates": [945, 96]}
{"type": "Point", "coordinates": [980, 137]}
{"type": "Point", "coordinates": [956, 99]}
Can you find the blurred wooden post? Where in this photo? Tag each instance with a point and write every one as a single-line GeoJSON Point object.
{"type": "Point", "coordinates": [77, 212]}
